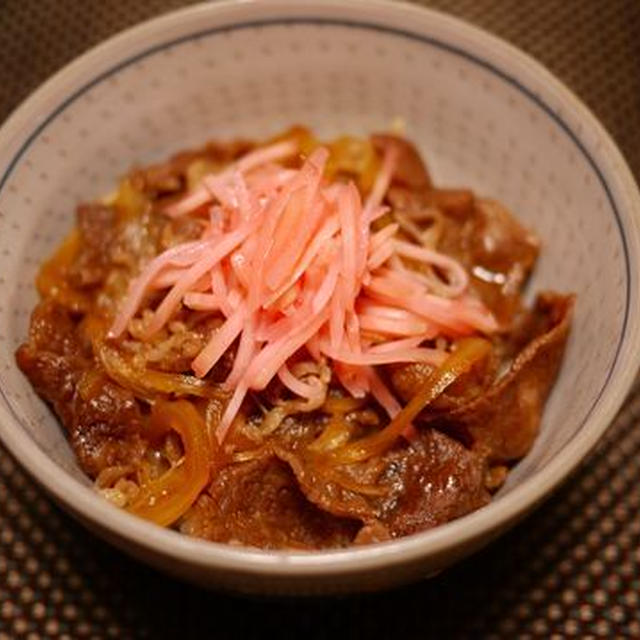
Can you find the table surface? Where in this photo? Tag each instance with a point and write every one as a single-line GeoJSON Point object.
{"type": "Point", "coordinates": [571, 569]}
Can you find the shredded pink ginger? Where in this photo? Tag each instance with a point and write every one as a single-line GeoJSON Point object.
{"type": "Point", "coordinates": [289, 260]}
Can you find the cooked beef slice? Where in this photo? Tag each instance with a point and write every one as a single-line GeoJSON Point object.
{"type": "Point", "coordinates": [102, 419]}
{"type": "Point", "coordinates": [497, 251]}
{"type": "Point", "coordinates": [259, 503]}
{"type": "Point", "coordinates": [413, 487]}
{"type": "Point", "coordinates": [505, 419]}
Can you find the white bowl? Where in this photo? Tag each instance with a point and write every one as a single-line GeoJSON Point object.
{"type": "Point", "coordinates": [484, 114]}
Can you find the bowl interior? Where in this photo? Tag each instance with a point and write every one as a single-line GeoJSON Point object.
{"type": "Point", "coordinates": [476, 125]}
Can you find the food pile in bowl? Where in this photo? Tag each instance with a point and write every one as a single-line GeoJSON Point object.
{"type": "Point", "coordinates": [294, 343]}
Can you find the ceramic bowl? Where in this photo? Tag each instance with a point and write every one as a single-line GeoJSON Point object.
{"type": "Point", "coordinates": [484, 115]}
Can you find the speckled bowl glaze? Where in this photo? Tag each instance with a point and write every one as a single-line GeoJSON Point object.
{"type": "Point", "coordinates": [484, 115]}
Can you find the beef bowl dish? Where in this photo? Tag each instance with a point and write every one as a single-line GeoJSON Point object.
{"type": "Point", "coordinates": [294, 344]}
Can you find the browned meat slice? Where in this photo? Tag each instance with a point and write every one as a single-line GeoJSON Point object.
{"type": "Point", "coordinates": [102, 419]}
{"type": "Point", "coordinates": [53, 328]}
{"type": "Point", "coordinates": [170, 177]}
{"type": "Point", "coordinates": [106, 425]}
{"type": "Point", "coordinates": [179, 230]}
{"type": "Point", "coordinates": [433, 481]}
{"type": "Point", "coordinates": [494, 247]}
{"type": "Point", "coordinates": [505, 420]}
{"type": "Point", "coordinates": [408, 379]}
{"type": "Point", "coordinates": [504, 414]}
{"type": "Point", "coordinates": [498, 252]}
{"type": "Point", "coordinates": [53, 358]}
{"type": "Point", "coordinates": [457, 204]}
{"type": "Point", "coordinates": [174, 348]}
{"type": "Point", "coordinates": [96, 225]}
{"type": "Point", "coordinates": [411, 488]}
{"type": "Point", "coordinates": [411, 171]}
{"type": "Point", "coordinates": [52, 375]}
{"type": "Point", "coordinates": [259, 503]}
{"type": "Point", "coordinates": [347, 492]}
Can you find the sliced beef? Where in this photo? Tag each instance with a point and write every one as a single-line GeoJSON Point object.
{"type": "Point", "coordinates": [498, 252]}
{"type": "Point", "coordinates": [102, 419]}
{"type": "Point", "coordinates": [96, 225]}
{"type": "Point", "coordinates": [501, 414]}
{"type": "Point", "coordinates": [53, 328]}
{"type": "Point", "coordinates": [408, 379]}
{"type": "Point", "coordinates": [53, 358]}
{"type": "Point", "coordinates": [106, 428]}
{"type": "Point", "coordinates": [483, 235]}
{"type": "Point", "coordinates": [259, 503]}
{"type": "Point", "coordinates": [411, 170]}
{"type": "Point", "coordinates": [170, 177]}
{"type": "Point", "coordinates": [343, 491]}
{"type": "Point", "coordinates": [53, 376]}
{"type": "Point", "coordinates": [173, 349]}
{"type": "Point", "coordinates": [179, 230]}
{"type": "Point", "coordinates": [411, 488]}
{"type": "Point", "coordinates": [505, 419]}
{"type": "Point", "coordinates": [457, 204]}
{"type": "Point", "coordinates": [433, 481]}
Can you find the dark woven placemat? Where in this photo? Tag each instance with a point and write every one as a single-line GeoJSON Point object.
{"type": "Point", "coordinates": [571, 570]}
